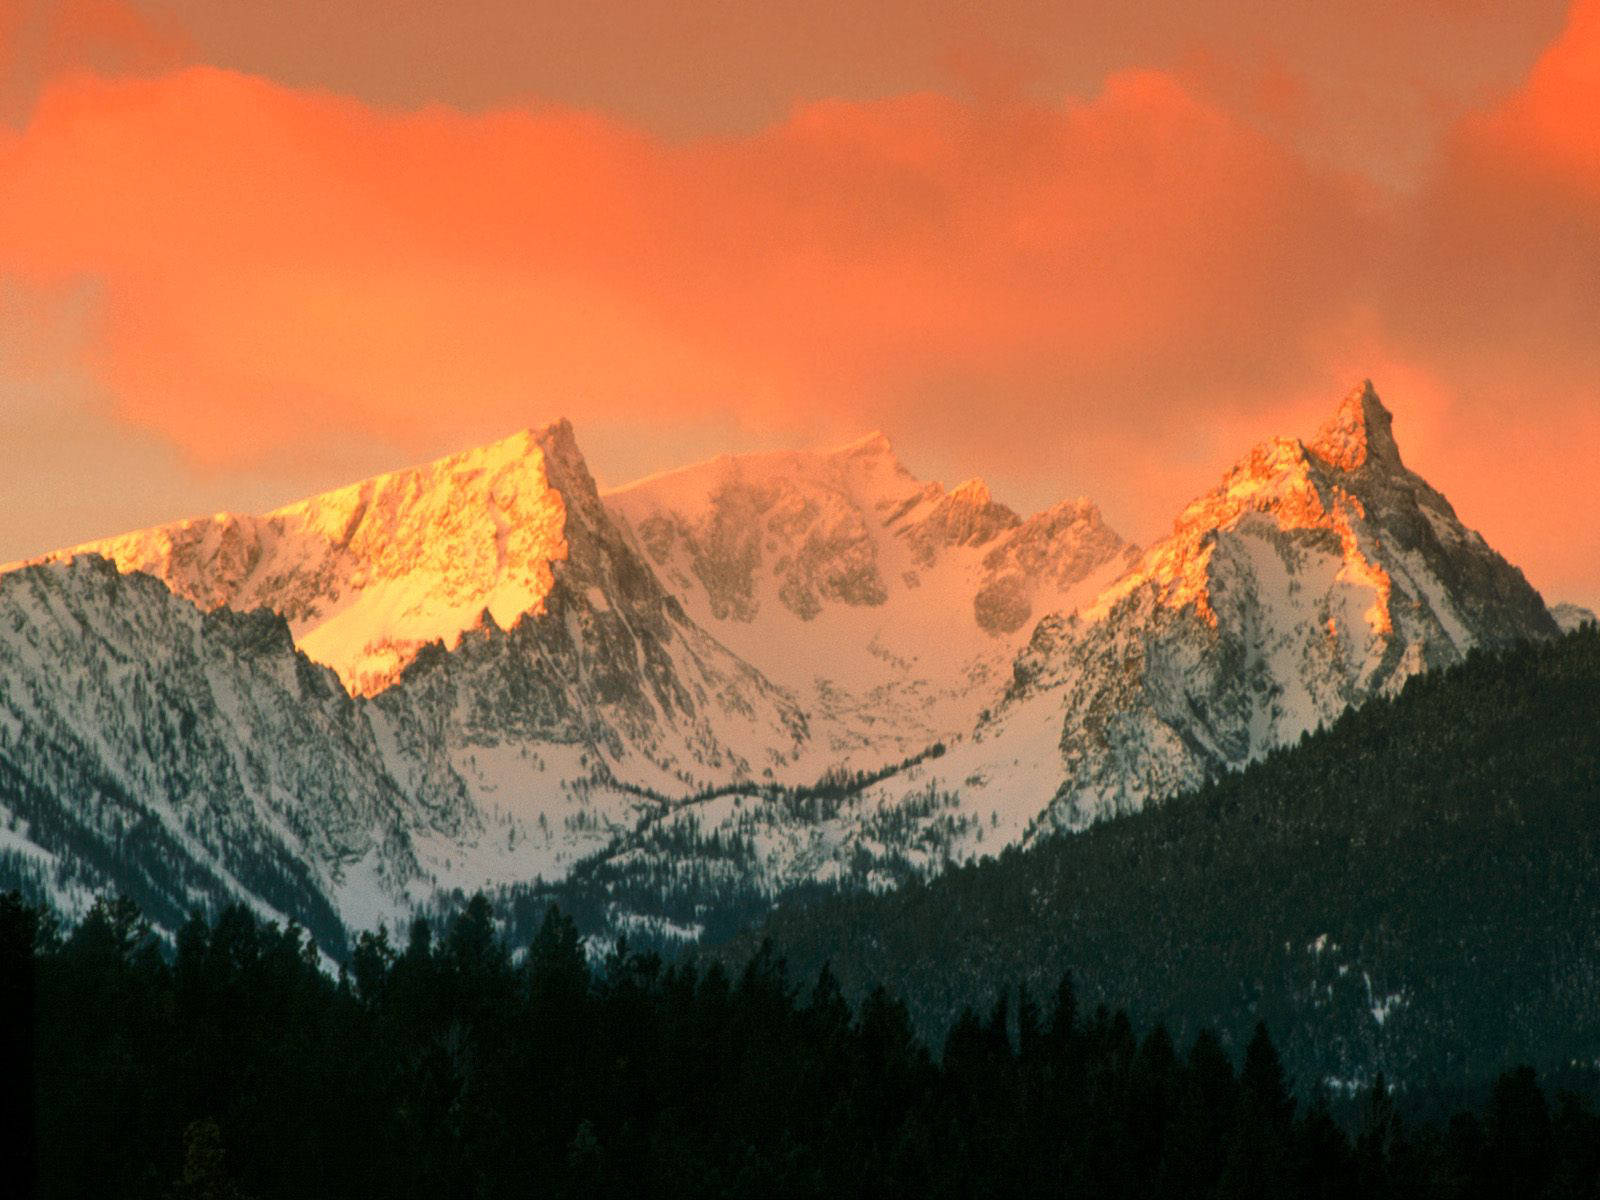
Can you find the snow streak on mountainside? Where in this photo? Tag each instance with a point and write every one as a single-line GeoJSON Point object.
{"type": "Point", "coordinates": [887, 604]}
{"type": "Point", "coordinates": [1571, 616]}
{"type": "Point", "coordinates": [1317, 575]}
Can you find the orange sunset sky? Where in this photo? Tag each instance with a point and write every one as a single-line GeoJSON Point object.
{"type": "Point", "coordinates": [249, 250]}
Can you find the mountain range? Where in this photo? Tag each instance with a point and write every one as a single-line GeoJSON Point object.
{"type": "Point", "coordinates": [710, 687]}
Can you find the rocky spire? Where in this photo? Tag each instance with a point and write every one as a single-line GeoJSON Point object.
{"type": "Point", "coordinates": [1359, 432]}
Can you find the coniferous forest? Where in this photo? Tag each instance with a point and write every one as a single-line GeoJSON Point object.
{"type": "Point", "coordinates": [240, 1067]}
{"type": "Point", "coordinates": [1413, 890]}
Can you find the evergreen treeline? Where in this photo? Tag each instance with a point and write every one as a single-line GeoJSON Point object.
{"type": "Point", "coordinates": [817, 801]}
{"type": "Point", "coordinates": [672, 882]}
{"type": "Point", "coordinates": [1415, 890]}
{"type": "Point", "coordinates": [240, 1068]}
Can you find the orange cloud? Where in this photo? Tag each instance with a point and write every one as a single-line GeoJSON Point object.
{"type": "Point", "coordinates": [301, 260]}
{"type": "Point", "coordinates": [1552, 119]}
{"type": "Point", "coordinates": [41, 40]}
{"type": "Point", "coordinates": [1495, 289]}
{"type": "Point", "coordinates": [1105, 294]}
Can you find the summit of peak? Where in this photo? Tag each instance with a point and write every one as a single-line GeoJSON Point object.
{"type": "Point", "coordinates": [539, 457]}
{"type": "Point", "coordinates": [557, 436]}
{"type": "Point", "coordinates": [523, 439]}
{"type": "Point", "coordinates": [973, 491]}
{"type": "Point", "coordinates": [1361, 430]}
{"type": "Point", "coordinates": [368, 573]}
{"type": "Point", "coordinates": [530, 445]}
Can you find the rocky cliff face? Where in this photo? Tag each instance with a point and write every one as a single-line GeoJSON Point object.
{"type": "Point", "coordinates": [888, 605]}
{"type": "Point", "coordinates": [192, 757]}
{"type": "Point", "coordinates": [1317, 575]}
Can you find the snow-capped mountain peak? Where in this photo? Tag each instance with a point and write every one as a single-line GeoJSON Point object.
{"type": "Point", "coordinates": [1347, 492]}
{"type": "Point", "coordinates": [1314, 576]}
{"type": "Point", "coordinates": [369, 573]}
{"type": "Point", "coordinates": [1362, 430]}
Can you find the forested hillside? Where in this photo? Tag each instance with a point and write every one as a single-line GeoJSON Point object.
{"type": "Point", "coordinates": [1415, 889]}
{"type": "Point", "coordinates": [240, 1069]}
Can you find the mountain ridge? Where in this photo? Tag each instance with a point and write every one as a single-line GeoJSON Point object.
{"type": "Point", "coordinates": [568, 660]}
{"type": "Point", "coordinates": [360, 572]}
{"type": "Point", "coordinates": [1314, 576]}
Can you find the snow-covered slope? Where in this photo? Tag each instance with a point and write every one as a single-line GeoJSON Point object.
{"type": "Point", "coordinates": [367, 574]}
{"type": "Point", "coordinates": [507, 543]}
{"type": "Point", "coordinates": [189, 758]}
{"type": "Point", "coordinates": [1571, 616]}
{"type": "Point", "coordinates": [512, 657]}
{"type": "Point", "coordinates": [890, 606]}
{"type": "Point", "coordinates": [1317, 575]}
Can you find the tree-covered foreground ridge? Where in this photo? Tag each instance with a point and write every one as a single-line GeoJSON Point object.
{"type": "Point", "coordinates": [240, 1067]}
{"type": "Point", "coordinates": [1413, 890]}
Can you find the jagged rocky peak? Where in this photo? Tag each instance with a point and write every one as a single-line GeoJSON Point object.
{"type": "Point", "coordinates": [1062, 544]}
{"type": "Point", "coordinates": [1347, 493]}
{"type": "Point", "coordinates": [974, 492]}
{"type": "Point", "coordinates": [1361, 431]}
{"type": "Point", "coordinates": [369, 573]}
{"type": "Point", "coordinates": [849, 527]}
{"type": "Point", "coordinates": [791, 528]}
{"type": "Point", "coordinates": [967, 515]}
{"type": "Point", "coordinates": [872, 445]}
{"type": "Point", "coordinates": [1315, 576]}
{"type": "Point", "coordinates": [1291, 479]}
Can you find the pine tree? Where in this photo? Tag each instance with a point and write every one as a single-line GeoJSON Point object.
{"type": "Point", "coordinates": [1265, 1087]}
{"type": "Point", "coordinates": [1326, 1170]}
{"type": "Point", "coordinates": [19, 931]}
{"type": "Point", "coordinates": [558, 971]}
{"type": "Point", "coordinates": [370, 963]}
{"type": "Point", "coordinates": [204, 1176]}
{"type": "Point", "coordinates": [1519, 1130]}
{"type": "Point", "coordinates": [1377, 1137]}
{"type": "Point", "coordinates": [1257, 1164]}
